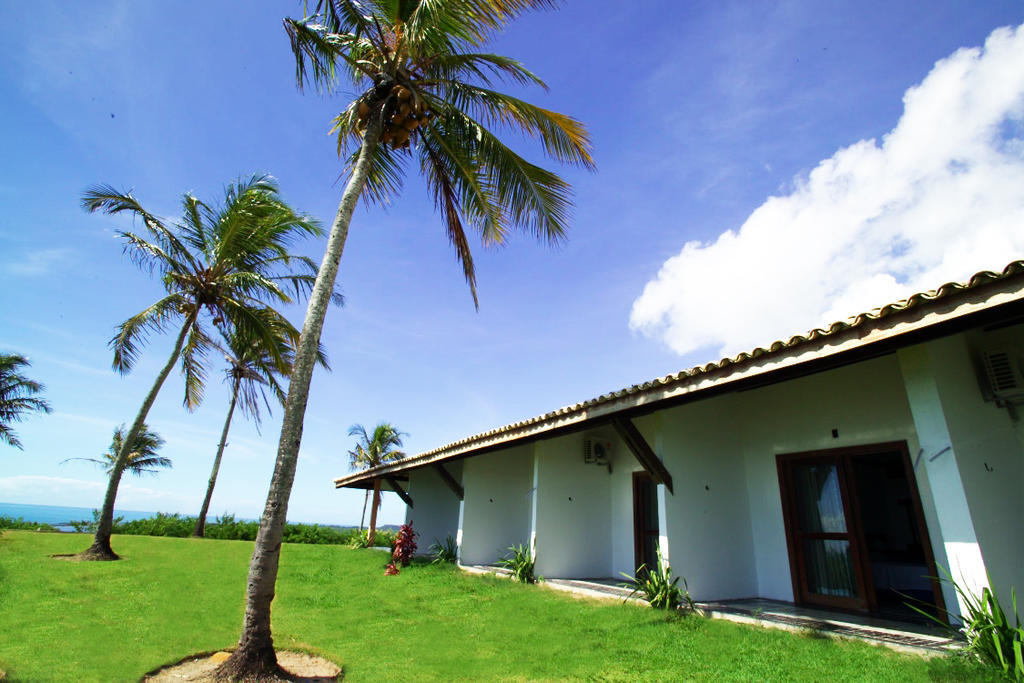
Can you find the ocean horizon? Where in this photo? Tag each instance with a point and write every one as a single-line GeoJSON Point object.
{"type": "Point", "coordinates": [61, 516]}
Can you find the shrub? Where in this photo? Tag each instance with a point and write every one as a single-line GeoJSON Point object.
{"type": "Point", "coordinates": [990, 636]}
{"type": "Point", "coordinates": [521, 563]}
{"type": "Point", "coordinates": [444, 552]}
{"type": "Point", "coordinates": [658, 587]}
{"type": "Point", "coordinates": [405, 545]}
{"type": "Point", "coordinates": [21, 524]}
{"type": "Point", "coordinates": [228, 528]}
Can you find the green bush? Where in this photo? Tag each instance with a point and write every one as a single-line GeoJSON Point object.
{"type": "Point", "coordinates": [227, 528]}
{"type": "Point", "coordinates": [443, 552]}
{"type": "Point", "coordinates": [21, 525]}
{"type": "Point", "coordinates": [658, 587]}
{"type": "Point", "coordinates": [521, 563]}
{"type": "Point", "coordinates": [990, 636]}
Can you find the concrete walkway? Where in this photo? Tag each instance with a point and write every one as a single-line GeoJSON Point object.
{"type": "Point", "coordinates": [922, 639]}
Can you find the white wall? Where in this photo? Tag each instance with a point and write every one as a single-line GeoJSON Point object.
{"type": "Point", "coordinates": [865, 403]}
{"type": "Point", "coordinates": [989, 454]}
{"type": "Point", "coordinates": [574, 510]}
{"type": "Point", "coordinates": [496, 507]}
{"type": "Point", "coordinates": [707, 518]}
{"type": "Point", "coordinates": [435, 514]}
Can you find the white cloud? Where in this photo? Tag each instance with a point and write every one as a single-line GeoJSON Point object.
{"type": "Point", "coordinates": [939, 199]}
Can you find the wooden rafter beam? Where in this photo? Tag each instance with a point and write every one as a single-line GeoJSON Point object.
{"type": "Point", "coordinates": [638, 445]}
{"type": "Point", "coordinates": [448, 479]}
{"type": "Point", "coordinates": [397, 488]}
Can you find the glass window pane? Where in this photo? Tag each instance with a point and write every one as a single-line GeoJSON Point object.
{"type": "Point", "coordinates": [829, 568]}
{"type": "Point", "coordinates": [819, 502]}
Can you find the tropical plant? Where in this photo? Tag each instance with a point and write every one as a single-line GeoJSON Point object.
{"type": "Point", "coordinates": [990, 635]}
{"type": "Point", "coordinates": [405, 545]}
{"type": "Point", "coordinates": [373, 451]}
{"type": "Point", "coordinates": [444, 552]}
{"type": "Point", "coordinates": [252, 371]}
{"type": "Point", "coordinates": [17, 396]}
{"type": "Point", "coordinates": [417, 65]}
{"type": "Point", "coordinates": [521, 563]}
{"type": "Point", "coordinates": [221, 263]}
{"type": "Point", "coordinates": [658, 587]}
{"type": "Point", "coordinates": [142, 456]}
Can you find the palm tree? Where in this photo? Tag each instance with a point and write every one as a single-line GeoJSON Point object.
{"type": "Point", "coordinates": [218, 262]}
{"type": "Point", "coordinates": [372, 451]}
{"type": "Point", "coordinates": [142, 456]}
{"type": "Point", "coordinates": [252, 372]}
{"type": "Point", "coordinates": [17, 396]}
{"type": "Point", "coordinates": [425, 98]}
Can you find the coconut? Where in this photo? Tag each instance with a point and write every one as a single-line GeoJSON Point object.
{"type": "Point", "coordinates": [404, 109]}
{"type": "Point", "coordinates": [401, 135]}
{"type": "Point", "coordinates": [402, 93]}
{"type": "Point", "coordinates": [362, 109]}
{"type": "Point", "coordinates": [411, 124]}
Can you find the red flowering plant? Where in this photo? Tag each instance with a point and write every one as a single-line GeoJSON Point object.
{"type": "Point", "coordinates": [405, 545]}
{"type": "Point", "coordinates": [391, 569]}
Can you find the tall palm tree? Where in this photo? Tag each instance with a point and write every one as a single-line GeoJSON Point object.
{"type": "Point", "coordinates": [218, 263]}
{"type": "Point", "coordinates": [371, 451]}
{"type": "Point", "coordinates": [425, 98]}
{"type": "Point", "coordinates": [252, 372]}
{"type": "Point", "coordinates": [142, 455]}
{"type": "Point", "coordinates": [17, 396]}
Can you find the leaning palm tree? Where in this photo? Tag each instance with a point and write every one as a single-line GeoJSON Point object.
{"type": "Point", "coordinates": [252, 372]}
{"type": "Point", "coordinates": [371, 451]}
{"type": "Point", "coordinates": [425, 99]}
{"type": "Point", "coordinates": [218, 264]}
{"type": "Point", "coordinates": [17, 396]}
{"type": "Point", "coordinates": [142, 455]}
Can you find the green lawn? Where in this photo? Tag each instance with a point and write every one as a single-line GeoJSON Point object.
{"type": "Point", "coordinates": [170, 597]}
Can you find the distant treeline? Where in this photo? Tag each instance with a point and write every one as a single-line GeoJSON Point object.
{"type": "Point", "coordinates": [21, 524]}
{"type": "Point", "coordinates": [222, 528]}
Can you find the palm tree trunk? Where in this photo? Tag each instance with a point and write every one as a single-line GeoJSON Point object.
{"type": "Point", "coordinates": [100, 548]}
{"type": "Point", "coordinates": [200, 529]}
{"type": "Point", "coordinates": [363, 518]}
{"type": "Point", "coordinates": [255, 653]}
{"type": "Point", "coordinates": [371, 535]}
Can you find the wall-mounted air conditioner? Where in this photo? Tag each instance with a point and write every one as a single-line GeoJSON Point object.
{"type": "Point", "coordinates": [597, 451]}
{"type": "Point", "coordinates": [1003, 373]}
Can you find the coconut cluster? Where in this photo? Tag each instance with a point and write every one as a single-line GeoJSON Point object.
{"type": "Point", "coordinates": [402, 112]}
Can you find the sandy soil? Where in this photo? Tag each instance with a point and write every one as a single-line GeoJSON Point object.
{"type": "Point", "coordinates": [302, 667]}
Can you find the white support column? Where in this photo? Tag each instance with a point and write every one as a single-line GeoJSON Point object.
{"type": "Point", "coordinates": [533, 502]}
{"type": "Point", "coordinates": [659, 450]}
{"type": "Point", "coordinates": [458, 534]}
{"type": "Point", "coordinates": [938, 461]}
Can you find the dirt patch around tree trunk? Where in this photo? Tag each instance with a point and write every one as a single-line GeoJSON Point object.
{"type": "Point", "coordinates": [298, 666]}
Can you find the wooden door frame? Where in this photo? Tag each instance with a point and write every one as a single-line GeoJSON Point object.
{"type": "Point", "coordinates": [851, 504]}
{"type": "Point", "coordinates": [640, 478]}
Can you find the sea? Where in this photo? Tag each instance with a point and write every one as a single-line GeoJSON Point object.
{"type": "Point", "coordinates": [61, 516]}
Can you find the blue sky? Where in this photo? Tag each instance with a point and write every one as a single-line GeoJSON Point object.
{"type": "Point", "coordinates": [761, 170]}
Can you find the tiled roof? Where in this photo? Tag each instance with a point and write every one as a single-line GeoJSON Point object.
{"type": "Point", "coordinates": [864, 320]}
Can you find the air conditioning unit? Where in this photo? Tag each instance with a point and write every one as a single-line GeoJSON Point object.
{"type": "Point", "coordinates": [1003, 372]}
{"type": "Point", "coordinates": [597, 451]}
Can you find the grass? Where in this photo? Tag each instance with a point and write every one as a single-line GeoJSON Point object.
{"type": "Point", "coordinates": [170, 597]}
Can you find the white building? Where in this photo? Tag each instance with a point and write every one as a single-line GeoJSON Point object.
{"type": "Point", "coordinates": [837, 469]}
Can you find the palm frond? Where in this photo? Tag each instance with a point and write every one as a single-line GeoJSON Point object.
{"type": "Point", "coordinates": [133, 333]}
{"type": "Point", "coordinates": [446, 200]}
{"type": "Point", "coordinates": [483, 67]}
{"type": "Point", "coordinates": [193, 365]}
{"type": "Point", "coordinates": [563, 137]}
